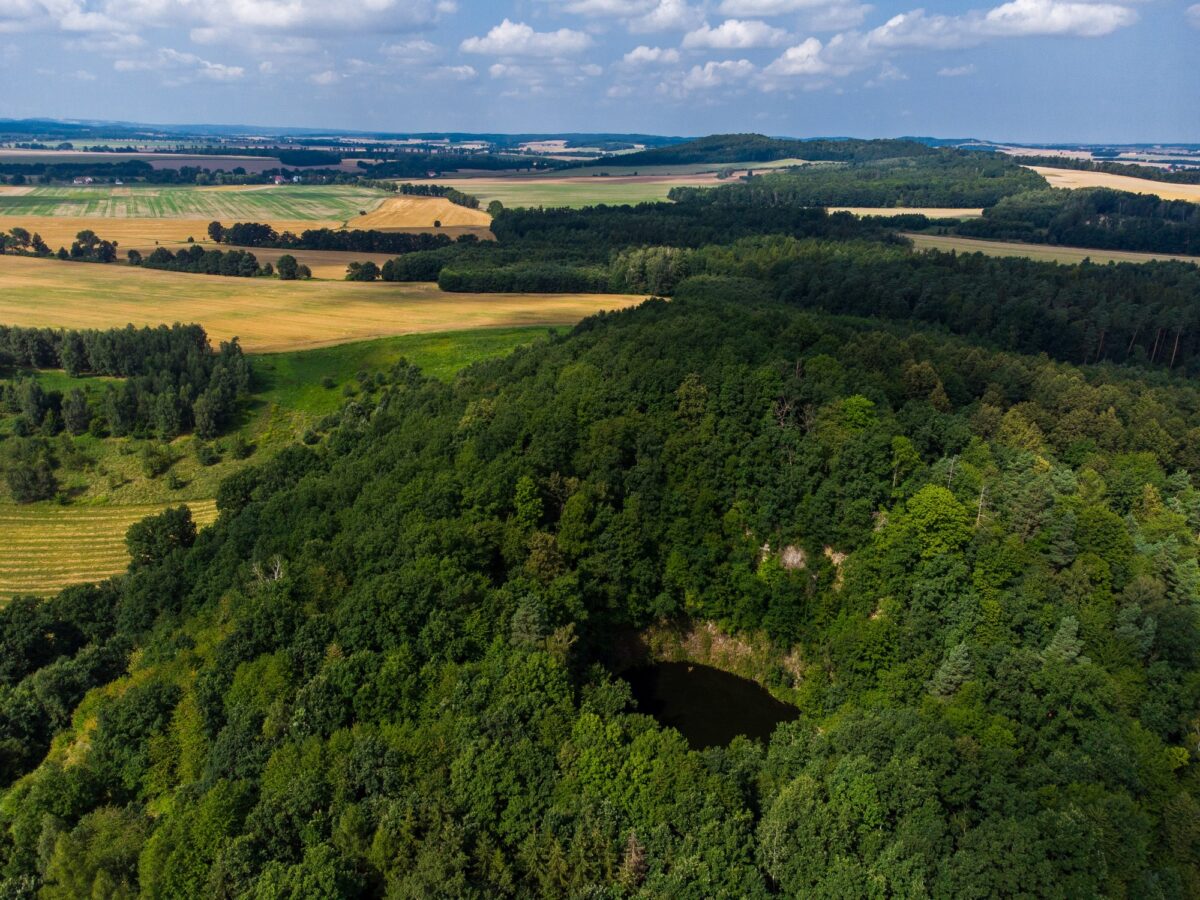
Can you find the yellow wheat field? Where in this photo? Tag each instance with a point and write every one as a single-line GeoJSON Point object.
{"type": "Point", "coordinates": [44, 548]}
{"type": "Point", "coordinates": [1074, 178]}
{"type": "Point", "coordinates": [266, 314]}
{"type": "Point", "coordinates": [420, 212]}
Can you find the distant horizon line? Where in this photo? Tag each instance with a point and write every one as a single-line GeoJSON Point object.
{"type": "Point", "coordinates": [217, 128]}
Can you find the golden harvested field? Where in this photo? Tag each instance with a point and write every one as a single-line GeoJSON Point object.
{"type": "Point", "coordinates": [136, 232]}
{"type": "Point", "coordinates": [1044, 252]}
{"type": "Point", "coordinates": [421, 212]}
{"type": "Point", "coordinates": [932, 212]}
{"type": "Point", "coordinates": [47, 547]}
{"type": "Point", "coordinates": [267, 314]}
{"type": "Point", "coordinates": [1073, 178]}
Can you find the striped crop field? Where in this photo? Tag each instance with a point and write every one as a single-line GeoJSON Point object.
{"type": "Point", "coordinates": [248, 203]}
{"type": "Point", "coordinates": [44, 548]}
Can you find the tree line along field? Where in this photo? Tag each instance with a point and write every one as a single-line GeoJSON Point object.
{"type": "Point", "coordinates": [46, 546]}
{"type": "Point", "coordinates": [267, 315]}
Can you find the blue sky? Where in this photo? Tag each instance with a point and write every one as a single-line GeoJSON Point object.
{"type": "Point", "coordinates": [1034, 70]}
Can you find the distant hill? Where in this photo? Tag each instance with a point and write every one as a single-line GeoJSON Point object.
{"type": "Point", "coordinates": [721, 148]}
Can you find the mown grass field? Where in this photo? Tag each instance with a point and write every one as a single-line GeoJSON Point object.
{"type": "Point", "coordinates": [250, 203]}
{"type": "Point", "coordinates": [267, 314]}
{"type": "Point", "coordinates": [1043, 252]}
{"type": "Point", "coordinates": [45, 546]}
{"type": "Point", "coordinates": [592, 185]}
{"type": "Point", "coordinates": [932, 212]}
{"type": "Point", "coordinates": [589, 192]}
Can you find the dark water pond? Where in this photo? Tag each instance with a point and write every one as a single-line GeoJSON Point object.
{"type": "Point", "coordinates": [708, 706]}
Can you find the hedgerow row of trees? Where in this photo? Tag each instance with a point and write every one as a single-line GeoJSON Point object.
{"type": "Point", "coordinates": [196, 259]}
{"type": "Point", "coordinates": [257, 234]}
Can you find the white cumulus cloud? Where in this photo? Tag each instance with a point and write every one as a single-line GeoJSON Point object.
{"type": "Point", "coordinates": [768, 7]}
{"type": "Point", "coordinates": [803, 59]}
{"type": "Point", "coordinates": [715, 74]}
{"type": "Point", "coordinates": [650, 56]}
{"type": "Point", "coordinates": [518, 39]}
{"type": "Point", "coordinates": [735, 34]}
{"type": "Point", "coordinates": [852, 51]}
{"type": "Point", "coordinates": [179, 67]}
{"type": "Point", "coordinates": [667, 15]}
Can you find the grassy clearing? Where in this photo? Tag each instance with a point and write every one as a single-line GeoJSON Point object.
{"type": "Point", "coordinates": [267, 314]}
{"type": "Point", "coordinates": [586, 192]}
{"type": "Point", "coordinates": [932, 212]}
{"type": "Point", "coordinates": [252, 203]}
{"type": "Point", "coordinates": [1078, 178]}
{"type": "Point", "coordinates": [1044, 252]}
{"type": "Point", "coordinates": [46, 546]}
{"type": "Point", "coordinates": [686, 168]}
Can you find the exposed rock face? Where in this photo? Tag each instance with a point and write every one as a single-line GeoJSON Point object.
{"type": "Point", "coordinates": [793, 557]}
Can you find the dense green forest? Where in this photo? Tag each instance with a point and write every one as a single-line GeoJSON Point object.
{"type": "Point", "coordinates": [949, 501]}
{"type": "Point", "coordinates": [953, 178]}
{"type": "Point", "coordinates": [731, 148]}
{"type": "Point", "coordinates": [383, 670]}
{"type": "Point", "coordinates": [1100, 218]}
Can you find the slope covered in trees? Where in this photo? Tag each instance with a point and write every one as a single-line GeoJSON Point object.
{"type": "Point", "coordinates": [1100, 218]}
{"type": "Point", "coordinates": [730, 148]}
{"type": "Point", "coordinates": [948, 178]}
{"type": "Point", "coordinates": [382, 671]}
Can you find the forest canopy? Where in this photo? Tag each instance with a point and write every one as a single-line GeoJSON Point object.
{"type": "Point", "coordinates": [383, 670]}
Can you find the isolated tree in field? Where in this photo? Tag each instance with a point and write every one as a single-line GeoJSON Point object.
{"type": "Point", "coordinates": [216, 231]}
{"type": "Point", "coordinates": [155, 537]}
{"type": "Point", "coordinates": [287, 267]}
{"type": "Point", "coordinates": [357, 271]}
